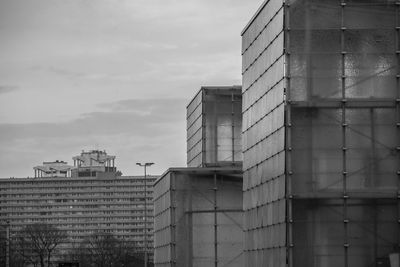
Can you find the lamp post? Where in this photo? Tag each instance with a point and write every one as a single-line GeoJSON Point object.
{"type": "Point", "coordinates": [145, 165]}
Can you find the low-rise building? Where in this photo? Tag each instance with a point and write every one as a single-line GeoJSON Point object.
{"type": "Point", "coordinates": [198, 217]}
{"type": "Point", "coordinates": [198, 209]}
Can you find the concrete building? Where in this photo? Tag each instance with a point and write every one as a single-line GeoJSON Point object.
{"type": "Point", "coordinates": [82, 204]}
{"type": "Point", "coordinates": [321, 133]}
{"type": "Point", "coordinates": [214, 127]}
{"type": "Point", "coordinates": [198, 210]}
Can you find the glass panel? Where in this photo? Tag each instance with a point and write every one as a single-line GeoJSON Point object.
{"type": "Point", "coordinates": [370, 75]}
{"type": "Point", "coordinates": [315, 14]}
{"type": "Point", "coordinates": [318, 233]}
{"type": "Point", "coordinates": [194, 141]}
{"type": "Point", "coordinates": [371, 159]}
{"type": "Point", "coordinates": [315, 41]}
{"type": "Point", "coordinates": [203, 239]}
{"type": "Point", "coordinates": [371, 64]}
{"type": "Point", "coordinates": [230, 239]}
{"type": "Point", "coordinates": [193, 115]}
{"type": "Point", "coordinates": [315, 64]}
{"type": "Point", "coordinates": [222, 111]}
{"type": "Point", "coordinates": [316, 151]}
{"type": "Point", "coordinates": [373, 232]}
{"type": "Point", "coordinates": [315, 76]}
{"type": "Point", "coordinates": [370, 14]}
{"type": "Point", "coordinates": [370, 40]}
{"type": "Point", "coordinates": [224, 137]}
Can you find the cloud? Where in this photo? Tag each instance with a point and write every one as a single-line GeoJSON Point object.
{"type": "Point", "coordinates": [156, 106]}
{"type": "Point", "coordinates": [65, 72]}
{"type": "Point", "coordinates": [142, 128]}
{"type": "Point", "coordinates": [138, 117]}
{"type": "Point", "coordinates": [8, 88]}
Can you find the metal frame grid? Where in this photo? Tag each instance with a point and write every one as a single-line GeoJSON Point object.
{"type": "Point", "coordinates": [350, 199]}
{"type": "Point", "coordinates": [263, 137]}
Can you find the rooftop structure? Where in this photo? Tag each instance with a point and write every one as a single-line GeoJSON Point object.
{"type": "Point", "coordinates": [91, 162]}
{"type": "Point", "coordinates": [53, 169]}
{"type": "Point", "coordinates": [214, 125]}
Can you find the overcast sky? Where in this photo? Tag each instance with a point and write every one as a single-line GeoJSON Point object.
{"type": "Point", "coordinates": [110, 75]}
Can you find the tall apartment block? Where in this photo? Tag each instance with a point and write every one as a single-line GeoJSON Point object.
{"type": "Point", "coordinates": [94, 199]}
{"type": "Point", "coordinates": [214, 126]}
{"type": "Point", "coordinates": [198, 210]}
{"type": "Point", "coordinates": [321, 133]}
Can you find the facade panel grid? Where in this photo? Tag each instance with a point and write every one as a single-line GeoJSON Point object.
{"type": "Point", "coordinates": [343, 88]}
{"type": "Point", "coordinates": [263, 138]}
{"type": "Point", "coordinates": [339, 168]}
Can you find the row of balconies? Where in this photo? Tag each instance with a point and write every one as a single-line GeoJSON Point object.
{"type": "Point", "coordinates": [52, 203]}
{"type": "Point", "coordinates": [82, 214]}
{"type": "Point", "coordinates": [85, 234]}
{"type": "Point", "coordinates": [87, 198]}
{"type": "Point", "coordinates": [55, 217]}
{"type": "Point", "coordinates": [99, 183]}
{"type": "Point", "coordinates": [33, 181]}
{"type": "Point", "coordinates": [42, 203]}
{"type": "Point", "coordinates": [134, 228]}
{"type": "Point", "coordinates": [71, 217]}
{"type": "Point", "coordinates": [69, 211]}
{"type": "Point", "coordinates": [76, 190]}
{"type": "Point", "coordinates": [68, 187]}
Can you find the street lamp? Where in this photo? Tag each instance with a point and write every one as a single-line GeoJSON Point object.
{"type": "Point", "coordinates": [145, 165]}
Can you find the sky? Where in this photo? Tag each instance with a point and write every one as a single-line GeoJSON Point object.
{"type": "Point", "coordinates": [112, 75]}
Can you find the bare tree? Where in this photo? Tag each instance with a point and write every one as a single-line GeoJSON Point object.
{"type": "Point", "coordinates": [3, 246]}
{"type": "Point", "coordinates": [23, 248]}
{"type": "Point", "coordinates": [37, 242]}
{"type": "Point", "coordinates": [105, 250]}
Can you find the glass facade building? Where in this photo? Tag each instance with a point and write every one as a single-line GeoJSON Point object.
{"type": "Point", "coordinates": [198, 218]}
{"type": "Point", "coordinates": [321, 133]}
{"type": "Point", "coordinates": [214, 125]}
